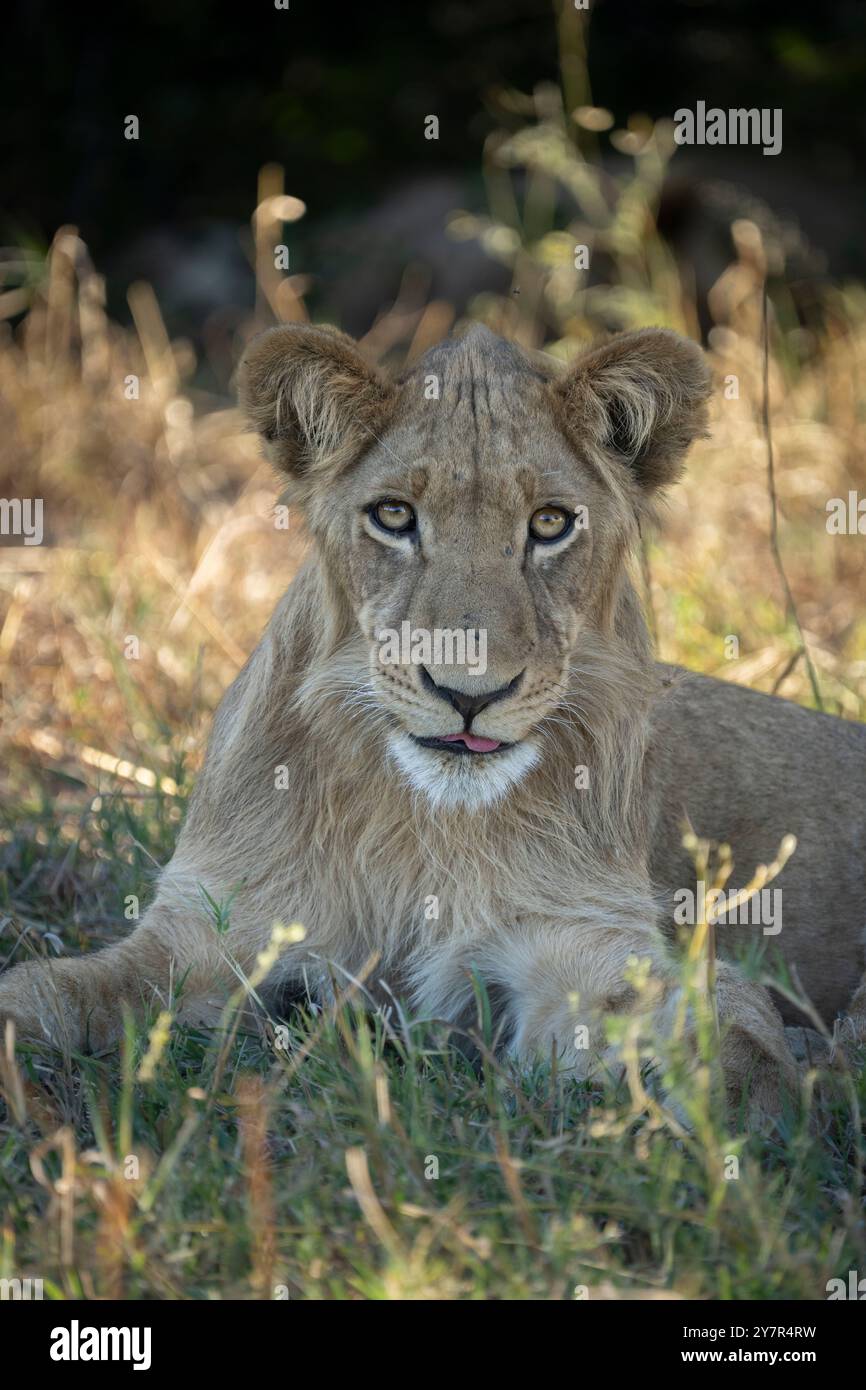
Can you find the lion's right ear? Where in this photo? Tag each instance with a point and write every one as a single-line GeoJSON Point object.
{"type": "Point", "coordinates": [314, 400]}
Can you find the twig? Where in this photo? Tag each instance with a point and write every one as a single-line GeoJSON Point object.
{"type": "Point", "coordinates": [774, 510]}
{"type": "Point", "coordinates": [786, 671]}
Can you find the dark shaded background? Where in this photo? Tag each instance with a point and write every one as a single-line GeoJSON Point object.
{"type": "Point", "coordinates": [337, 94]}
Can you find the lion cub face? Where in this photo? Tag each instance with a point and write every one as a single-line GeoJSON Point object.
{"type": "Point", "coordinates": [472, 529]}
{"type": "Point", "coordinates": [475, 515]}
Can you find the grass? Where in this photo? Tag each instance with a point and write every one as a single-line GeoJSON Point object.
{"type": "Point", "coordinates": [356, 1157]}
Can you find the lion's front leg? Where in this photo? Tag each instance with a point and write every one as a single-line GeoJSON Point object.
{"type": "Point", "coordinates": [563, 984]}
{"type": "Point", "coordinates": [173, 960]}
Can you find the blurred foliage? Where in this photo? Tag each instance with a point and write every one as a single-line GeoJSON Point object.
{"type": "Point", "coordinates": [340, 100]}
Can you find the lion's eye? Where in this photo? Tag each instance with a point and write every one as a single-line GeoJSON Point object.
{"type": "Point", "coordinates": [393, 516]}
{"type": "Point", "coordinates": [550, 524]}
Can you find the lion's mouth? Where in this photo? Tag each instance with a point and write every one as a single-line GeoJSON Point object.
{"type": "Point", "coordinates": [464, 743]}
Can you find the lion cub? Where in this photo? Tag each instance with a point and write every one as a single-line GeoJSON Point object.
{"type": "Point", "coordinates": [518, 816]}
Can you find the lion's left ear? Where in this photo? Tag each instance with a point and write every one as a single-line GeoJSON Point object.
{"type": "Point", "coordinates": [640, 398]}
{"type": "Point", "coordinates": [316, 402]}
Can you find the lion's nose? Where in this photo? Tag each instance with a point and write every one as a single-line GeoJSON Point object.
{"type": "Point", "coordinates": [468, 705]}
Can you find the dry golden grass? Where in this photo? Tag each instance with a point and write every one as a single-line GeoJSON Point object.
{"type": "Point", "coordinates": [158, 525]}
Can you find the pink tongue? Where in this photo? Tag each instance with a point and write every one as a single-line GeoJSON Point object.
{"type": "Point", "coordinates": [473, 742]}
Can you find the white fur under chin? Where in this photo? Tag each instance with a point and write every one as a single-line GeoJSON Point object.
{"type": "Point", "coordinates": [449, 780]}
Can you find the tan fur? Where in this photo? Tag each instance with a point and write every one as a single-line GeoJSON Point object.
{"type": "Point", "coordinates": [545, 890]}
